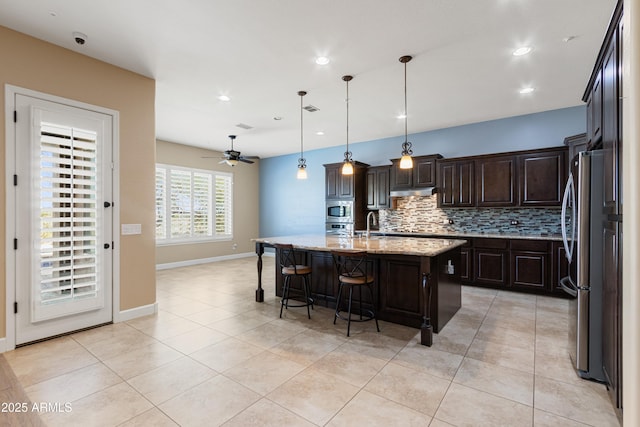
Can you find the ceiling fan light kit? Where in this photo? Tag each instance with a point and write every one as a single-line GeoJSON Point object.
{"type": "Point", "coordinates": [347, 166]}
{"type": "Point", "coordinates": [302, 162]}
{"type": "Point", "coordinates": [406, 162]}
{"type": "Point", "coordinates": [232, 157]}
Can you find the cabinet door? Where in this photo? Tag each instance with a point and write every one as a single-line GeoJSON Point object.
{"type": "Point", "coordinates": [529, 270]}
{"type": "Point", "coordinates": [611, 295]}
{"type": "Point", "coordinates": [491, 266]}
{"type": "Point", "coordinates": [542, 178]}
{"type": "Point", "coordinates": [610, 130]}
{"type": "Point", "coordinates": [345, 185]}
{"type": "Point", "coordinates": [400, 287]}
{"type": "Point", "coordinates": [401, 179]}
{"type": "Point", "coordinates": [382, 179]}
{"type": "Point", "coordinates": [594, 110]}
{"type": "Point", "coordinates": [559, 266]}
{"type": "Point", "coordinates": [466, 264]}
{"type": "Point", "coordinates": [424, 172]}
{"type": "Point", "coordinates": [496, 181]}
{"type": "Point", "coordinates": [447, 173]}
{"type": "Point", "coordinates": [372, 189]}
{"type": "Point", "coordinates": [332, 176]}
{"type": "Point", "coordinates": [465, 178]}
{"type": "Point", "coordinates": [378, 187]}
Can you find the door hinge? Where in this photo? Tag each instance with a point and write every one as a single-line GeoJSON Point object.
{"type": "Point", "coordinates": [15, 244]}
{"type": "Point", "coordinates": [15, 116]}
{"type": "Point", "coordinates": [15, 180]}
{"type": "Point", "coordinates": [15, 307]}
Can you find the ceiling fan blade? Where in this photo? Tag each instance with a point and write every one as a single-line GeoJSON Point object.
{"type": "Point", "coordinates": [244, 159]}
{"type": "Point", "coordinates": [251, 157]}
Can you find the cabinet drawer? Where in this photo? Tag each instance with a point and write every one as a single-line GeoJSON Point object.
{"type": "Point", "coordinates": [530, 245]}
{"type": "Point", "coordinates": [491, 243]}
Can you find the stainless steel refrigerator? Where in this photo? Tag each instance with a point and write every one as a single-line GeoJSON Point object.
{"type": "Point", "coordinates": [582, 232]}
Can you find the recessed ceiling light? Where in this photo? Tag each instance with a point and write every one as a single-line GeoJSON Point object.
{"type": "Point", "coordinates": [277, 118]}
{"type": "Point", "coordinates": [401, 116]}
{"type": "Point", "coordinates": [522, 51]}
{"type": "Point", "coordinates": [224, 98]}
{"type": "Point", "coordinates": [322, 60]}
{"type": "Point", "coordinates": [568, 39]}
{"type": "Point", "coordinates": [320, 133]}
{"type": "Point", "coordinates": [526, 90]}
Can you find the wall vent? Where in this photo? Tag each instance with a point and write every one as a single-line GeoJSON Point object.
{"type": "Point", "coordinates": [311, 108]}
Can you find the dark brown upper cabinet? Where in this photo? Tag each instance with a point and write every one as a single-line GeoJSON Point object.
{"type": "Point", "coordinates": [542, 178]}
{"type": "Point", "coordinates": [517, 179]}
{"type": "Point", "coordinates": [423, 174]}
{"type": "Point", "coordinates": [594, 112]}
{"type": "Point", "coordinates": [340, 186]}
{"type": "Point", "coordinates": [378, 187]}
{"type": "Point", "coordinates": [496, 181]}
{"type": "Point", "coordinates": [456, 183]}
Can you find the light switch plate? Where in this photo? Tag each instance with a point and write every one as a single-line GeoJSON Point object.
{"type": "Point", "coordinates": [128, 229]}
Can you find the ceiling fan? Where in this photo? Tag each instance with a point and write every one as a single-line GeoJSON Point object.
{"type": "Point", "coordinates": [232, 157]}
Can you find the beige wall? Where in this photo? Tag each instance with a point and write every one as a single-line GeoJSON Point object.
{"type": "Point", "coordinates": [245, 204]}
{"type": "Point", "coordinates": [33, 64]}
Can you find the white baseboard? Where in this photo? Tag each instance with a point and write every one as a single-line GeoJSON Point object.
{"type": "Point", "coordinates": [202, 261]}
{"type": "Point", "coordinates": [133, 313]}
{"type": "Point", "coordinates": [3, 345]}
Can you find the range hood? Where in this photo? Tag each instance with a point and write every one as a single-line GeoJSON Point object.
{"type": "Point", "coordinates": [427, 191]}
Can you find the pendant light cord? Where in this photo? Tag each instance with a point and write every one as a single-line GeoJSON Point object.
{"type": "Point", "coordinates": [406, 118]}
{"type": "Point", "coordinates": [301, 134]}
{"type": "Point", "coordinates": [347, 116]}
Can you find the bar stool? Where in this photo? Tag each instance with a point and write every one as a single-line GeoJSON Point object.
{"type": "Point", "coordinates": [290, 268]}
{"type": "Point", "coordinates": [354, 271]}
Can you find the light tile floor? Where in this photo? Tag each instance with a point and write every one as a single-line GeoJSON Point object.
{"type": "Point", "coordinates": [214, 356]}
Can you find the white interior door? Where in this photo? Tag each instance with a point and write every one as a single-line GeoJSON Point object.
{"type": "Point", "coordinates": [63, 260]}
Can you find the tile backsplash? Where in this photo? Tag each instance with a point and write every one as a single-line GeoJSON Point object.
{"type": "Point", "coordinates": [422, 215]}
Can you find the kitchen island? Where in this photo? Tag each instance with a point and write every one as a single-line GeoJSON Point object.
{"type": "Point", "coordinates": [409, 272]}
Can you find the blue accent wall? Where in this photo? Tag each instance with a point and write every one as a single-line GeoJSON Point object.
{"type": "Point", "coordinates": [290, 206]}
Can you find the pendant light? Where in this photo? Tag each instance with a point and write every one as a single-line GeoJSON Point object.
{"type": "Point", "coordinates": [406, 162]}
{"type": "Point", "coordinates": [347, 166]}
{"type": "Point", "coordinates": [302, 163]}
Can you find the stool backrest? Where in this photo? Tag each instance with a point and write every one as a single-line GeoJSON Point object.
{"type": "Point", "coordinates": [287, 256]}
{"type": "Point", "coordinates": [351, 263]}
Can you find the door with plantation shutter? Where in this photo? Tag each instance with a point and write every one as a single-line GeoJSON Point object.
{"type": "Point", "coordinates": [63, 218]}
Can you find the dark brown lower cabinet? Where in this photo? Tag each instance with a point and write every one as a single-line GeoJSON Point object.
{"type": "Point", "coordinates": [530, 265]}
{"type": "Point", "coordinates": [491, 261]}
{"type": "Point", "coordinates": [466, 264]}
{"type": "Point", "coordinates": [611, 319]}
{"type": "Point", "coordinates": [559, 267]}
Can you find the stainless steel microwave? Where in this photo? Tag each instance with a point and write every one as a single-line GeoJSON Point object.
{"type": "Point", "coordinates": [339, 211]}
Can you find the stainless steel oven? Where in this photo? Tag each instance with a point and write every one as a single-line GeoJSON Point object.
{"type": "Point", "coordinates": [339, 211]}
{"type": "Point", "coordinates": [340, 229]}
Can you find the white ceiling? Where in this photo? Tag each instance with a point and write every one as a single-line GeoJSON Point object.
{"type": "Point", "coordinates": [261, 53]}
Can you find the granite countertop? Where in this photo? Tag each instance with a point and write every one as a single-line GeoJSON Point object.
{"type": "Point", "coordinates": [399, 245]}
{"type": "Point", "coordinates": [466, 235]}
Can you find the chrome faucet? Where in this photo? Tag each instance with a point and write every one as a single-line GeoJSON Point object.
{"type": "Point", "coordinates": [372, 213]}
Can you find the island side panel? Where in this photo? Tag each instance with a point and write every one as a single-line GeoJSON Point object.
{"type": "Point", "coordinates": [399, 284]}
{"type": "Point", "coordinates": [445, 268]}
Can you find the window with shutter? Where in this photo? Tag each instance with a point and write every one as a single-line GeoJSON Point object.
{"type": "Point", "coordinates": [192, 205]}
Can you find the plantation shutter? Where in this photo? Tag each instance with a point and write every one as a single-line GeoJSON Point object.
{"type": "Point", "coordinates": [224, 218]}
{"type": "Point", "coordinates": [66, 229]}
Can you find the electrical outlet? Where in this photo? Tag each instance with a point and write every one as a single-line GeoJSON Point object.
{"type": "Point", "coordinates": [514, 222]}
{"type": "Point", "coordinates": [235, 246]}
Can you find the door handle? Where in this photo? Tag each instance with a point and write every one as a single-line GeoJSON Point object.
{"type": "Point", "coordinates": [107, 204]}
{"type": "Point", "coordinates": [567, 285]}
{"type": "Point", "coordinates": [107, 246]}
